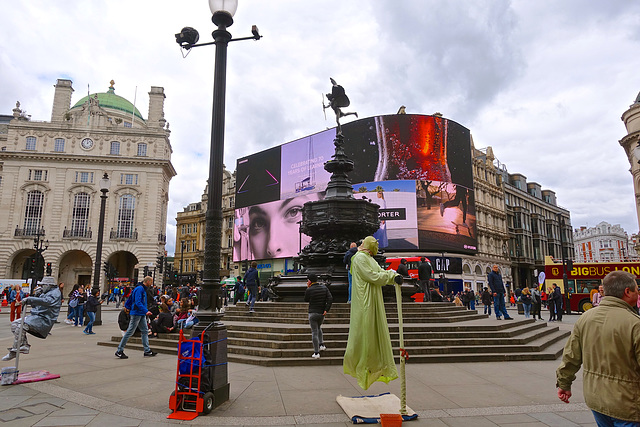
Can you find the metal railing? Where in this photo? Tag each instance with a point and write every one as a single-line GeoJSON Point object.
{"type": "Point", "coordinates": [123, 234]}
{"type": "Point", "coordinates": [77, 234]}
{"type": "Point", "coordinates": [28, 232]}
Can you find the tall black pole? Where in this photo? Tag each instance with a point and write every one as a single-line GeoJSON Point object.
{"type": "Point", "coordinates": [98, 263]}
{"type": "Point", "coordinates": [181, 261]}
{"type": "Point", "coordinates": [565, 281]}
{"type": "Point", "coordinates": [210, 293]}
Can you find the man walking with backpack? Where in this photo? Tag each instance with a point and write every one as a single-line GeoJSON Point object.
{"type": "Point", "coordinates": [319, 298]}
{"type": "Point", "coordinates": [137, 306]}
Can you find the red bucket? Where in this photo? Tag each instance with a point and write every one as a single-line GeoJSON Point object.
{"type": "Point", "coordinates": [391, 420]}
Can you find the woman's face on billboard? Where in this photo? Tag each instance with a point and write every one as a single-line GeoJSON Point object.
{"type": "Point", "coordinates": [274, 229]}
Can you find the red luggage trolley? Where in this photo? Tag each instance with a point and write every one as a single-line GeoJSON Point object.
{"type": "Point", "coordinates": [189, 399]}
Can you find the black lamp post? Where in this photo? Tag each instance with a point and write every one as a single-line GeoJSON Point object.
{"type": "Point", "coordinates": [37, 269]}
{"type": "Point", "coordinates": [209, 301]}
{"type": "Point", "coordinates": [181, 261]}
{"type": "Point", "coordinates": [104, 184]}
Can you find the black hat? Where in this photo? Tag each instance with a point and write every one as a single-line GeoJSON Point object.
{"type": "Point", "coordinates": [312, 277]}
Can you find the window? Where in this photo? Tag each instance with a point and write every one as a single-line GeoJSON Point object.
{"type": "Point", "coordinates": [80, 215]}
{"type": "Point", "coordinates": [31, 143]}
{"type": "Point", "coordinates": [229, 242]}
{"type": "Point", "coordinates": [129, 178]}
{"type": "Point", "coordinates": [33, 212]}
{"type": "Point", "coordinates": [195, 228]}
{"type": "Point", "coordinates": [142, 149]}
{"type": "Point", "coordinates": [127, 124]}
{"type": "Point", "coordinates": [126, 215]}
{"type": "Point", "coordinates": [115, 147]}
{"type": "Point", "coordinates": [188, 228]}
{"type": "Point", "coordinates": [37, 175]}
{"type": "Point", "coordinates": [193, 265]}
{"type": "Point", "coordinates": [184, 229]}
{"type": "Point", "coordinates": [58, 145]}
{"type": "Point", "coordinates": [84, 177]}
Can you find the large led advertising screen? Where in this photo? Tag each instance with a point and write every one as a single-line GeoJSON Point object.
{"type": "Point", "coordinates": [417, 168]}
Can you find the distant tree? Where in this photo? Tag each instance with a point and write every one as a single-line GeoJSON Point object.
{"type": "Point", "coordinates": [378, 189]}
{"type": "Point", "coordinates": [362, 189]}
{"type": "Point", "coordinates": [396, 190]}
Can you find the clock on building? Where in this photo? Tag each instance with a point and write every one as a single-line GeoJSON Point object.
{"type": "Point", "coordinates": [87, 143]}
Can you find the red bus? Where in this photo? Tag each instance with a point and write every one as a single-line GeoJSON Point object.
{"type": "Point", "coordinates": [584, 279]}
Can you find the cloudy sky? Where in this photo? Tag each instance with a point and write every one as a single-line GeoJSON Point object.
{"type": "Point", "coordinates": [542, 82]}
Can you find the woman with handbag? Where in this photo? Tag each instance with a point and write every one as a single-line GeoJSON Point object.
{"type": "Point", "coordinates": [71, 306]}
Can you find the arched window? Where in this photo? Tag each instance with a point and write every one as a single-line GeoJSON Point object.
{"type": "Point", "coordinates": [115, 147]}
{"type": "Point", "coordinates": [478, 270]}
{"type": "Point", "coordinates": [33, 212]}
{"type": "Point", "coordinates": [125, 216]}
{"type": "Point", "coordinates": [80, 215]}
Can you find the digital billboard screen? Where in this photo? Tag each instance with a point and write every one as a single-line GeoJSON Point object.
{"type": "Point", "coordinates": [417, 168]}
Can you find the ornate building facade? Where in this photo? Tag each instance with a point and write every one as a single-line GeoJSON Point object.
{"type": "Point", "coordinates": [49, 182]}
{"type": "Point", "coordinates": [604, 243]}
{"type": "Point", "coordinates": [190, 233]}
{"type": "Point", "coordinates": [631, 145]}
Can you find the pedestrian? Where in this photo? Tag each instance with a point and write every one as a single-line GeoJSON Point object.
{"type": "Point", "coordinates": [402, 268]}
{"type": "Point", "coordinates": [353, 248]}
{"type": "Point", "coordinates": [555, 304]}
{"type": "Point", "coordinates": [163, 323]}
{"type": "Point", "coordinates": [137, 306]}
{"type": "Point", "coordinates": [487, 298]}
{"type": "Point", "coordinates": [472, 300]}
{"type": "Point", "coordinates": [252, 281]}
{"type": "Point", "coordinates": [466, 301]}
{"type": "Point", "coordinates": [525, 298]}
{"type": "Point", "coordinates": [319, 298]}
{"type": "Point", "coordinates": [497, 288]}
{"type": "Point", "coordinates": [536, 303]}
{"type": "Point", "coordinates": [425, 272]}
{"type": "Point", "coordinates": [605, 341]}
{"type": "Point", "coordinates": [15, 298]}
{"type": "Point", "coordinates": [543, 297]}
{"type": "Point", "coordinates": [369, 356]}
{"type": "Point", "coordinates": [597, 297]}
{"type": "Point", "coordinates": [91, 307]}
{"type": "Point", "coordinates": [238, 290]}
{"type": "Point", "coordinates": [44, 311]}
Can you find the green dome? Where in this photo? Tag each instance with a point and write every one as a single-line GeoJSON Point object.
{"type": "Point", "coordinates": [110, 100]}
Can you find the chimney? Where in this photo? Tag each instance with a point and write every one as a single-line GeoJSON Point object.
{"type": "Point", "coordinates": [61, 100]}
{"type": "Point", "coordinates": [156, 107]}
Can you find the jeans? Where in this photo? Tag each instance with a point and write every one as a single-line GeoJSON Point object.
{"type": "Point", "coordinates": [183, 324]}
{"type": "Point", "coordinates": [77, 315]}
{"type": "Point", "coordinates": [424, 287]}
{"type": "Point", "coordinates": [472, 304]}
{"type": "Point", "coordinates": [315, 321]}
{"type": "Point", "coordinates": [498, 306]}
{"type": "Point", "coordinates": [136, 322]}
{"type": "Point", "coordinates": [349, 275]}
{"type": "Point", "coordinates": [253, 293]}
{"type": "Point", "coordinates": [606, 421]}
{"type": "Point", "coordinates": [527, 310]}
{"type": "Point", "coordinates": [487, 308]}
{"type": "Point", "coordinates": [92, 318]}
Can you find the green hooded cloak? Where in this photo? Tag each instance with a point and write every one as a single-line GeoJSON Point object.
{"type": "Point", "coordinates": [369, 356]}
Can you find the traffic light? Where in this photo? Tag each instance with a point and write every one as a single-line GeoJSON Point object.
{"type": "Point", "coordinates": [146, 271]}
{"type": "Point", "coordinates": [33, 265]}
{"type": "Point", "coordinates": [569, 266]}
{"type": "Point", "coordinates": [106, 268]}
{"type": "Point", "coordinates": [160, 264]}
{"type": "Point", "coordinates": [49, 269]}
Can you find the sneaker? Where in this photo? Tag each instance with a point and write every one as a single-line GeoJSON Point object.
{"type": "Point", "coordinates": [508, 318]}
{"type": "Point", "coordinates": [10, 356]}
{"type": "Point", "coordinates": [121, 355]}
{"type": "Point", "coordinates": [80, 326]}
{"type": "Point", "coordinates": [68, 322]}
{"type": "Point", "coordinates": [25, 349]}
{"type": "Point", "coordinates": [252, 311]}
{"type": "Point", "coordinates": [149, 353]}
{"type": "Point", "coordinates": [92, 333]}
{"type": "Point", "coordinates": [322, 348]}
{"type": "Point", "coordinates": [498, 318]}
{"type": "Point", "coordinates": [85, 332]}
{"type": "Point", "coordinates": [314, 355]}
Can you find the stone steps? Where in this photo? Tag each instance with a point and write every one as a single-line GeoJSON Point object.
{"type": "Point", "coordinates": [278, 334]}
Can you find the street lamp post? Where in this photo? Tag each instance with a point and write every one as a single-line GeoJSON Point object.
{"type": "Point", "coordinates": [209, 301]}
{"type": "Point", "coordinates": [40, 245]}
{"type": "Point", "coordinates": [181, 261]}
{"type": "Point", "coordinates": [104, 184]}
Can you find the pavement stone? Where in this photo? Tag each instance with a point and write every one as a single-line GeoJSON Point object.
{"type": "Point", "coordinates": [97, 389]}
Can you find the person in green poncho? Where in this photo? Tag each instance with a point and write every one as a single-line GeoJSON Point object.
{"type": "Point", "coordinates": [369, 357]}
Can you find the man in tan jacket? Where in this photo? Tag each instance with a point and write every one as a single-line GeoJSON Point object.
{"type": "Point", "coordinates": [606, 339]}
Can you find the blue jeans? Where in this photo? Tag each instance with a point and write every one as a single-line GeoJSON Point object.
{"type": "Point", "coordinates": [349, 275]}
{"type": "Point", "coordinates": [78, 319]}
{"type": "Point", "coordinates": [487, 307]}
{"type": "Point", "coordinates": [183, 324]}
{"type": "Point", "coordinates": [606, 421]}
{"type": "Point", "coordinates": [315, 321]}
{"type": "Point", "coordinates": [472, 304]}
{"type": "Point", "coordinates": [136, 322]}
{"type": "Point", "coordinates": [253, 294]}
{"type": "Point", "coordinates": [92, 318]}
{"type": "Point", "coordinates": [527, 310]}
{"type": "Point", "coordinates": [498, 306]}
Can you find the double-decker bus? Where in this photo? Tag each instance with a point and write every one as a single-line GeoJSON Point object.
{"type": "Point", "coordinates": [583, 277]}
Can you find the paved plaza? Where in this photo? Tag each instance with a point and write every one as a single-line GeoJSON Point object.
{"type": "Point", "coordinates": [96, 388]}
